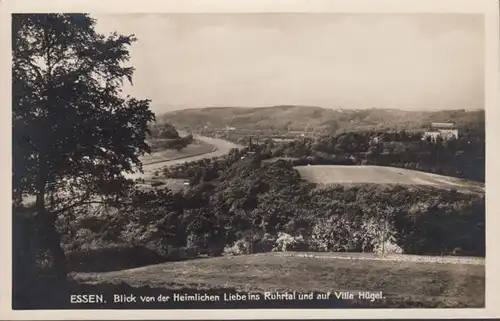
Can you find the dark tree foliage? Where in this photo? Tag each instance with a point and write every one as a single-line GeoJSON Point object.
{"type": "Point", "coordinates": [74, 132]}
{"type": "Point", "coordinates": [163, 131]}
{"type": "Point", "coordinates": [254, 202]}
{"type": "Point", "coordinates": [462, 157]}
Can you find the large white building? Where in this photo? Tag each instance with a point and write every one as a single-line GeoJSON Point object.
{"type": "Point", "coordinates": [444, 130]}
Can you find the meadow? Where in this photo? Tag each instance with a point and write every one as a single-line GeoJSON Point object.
{"type": "Point", "coordinates": [407, 283]}
{"type": "Point", "coordinates": [338, 174]}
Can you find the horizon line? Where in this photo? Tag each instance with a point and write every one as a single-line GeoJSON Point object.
{"type": "Point", "coordinates": [313, 106]}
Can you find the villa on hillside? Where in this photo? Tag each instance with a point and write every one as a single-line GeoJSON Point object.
{"type": "Point", "coordinates": [444, 130]}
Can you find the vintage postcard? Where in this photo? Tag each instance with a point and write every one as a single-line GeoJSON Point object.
{"type": "Point", "coordinates": [254, 159]}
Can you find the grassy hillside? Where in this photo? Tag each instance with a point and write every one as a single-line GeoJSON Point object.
{"type": "Point", "coordinates": [301, 118]}
{"type": "Point", "coordinates": [460, 285]}
{"type": "Point", "coordinates": [337, 174]}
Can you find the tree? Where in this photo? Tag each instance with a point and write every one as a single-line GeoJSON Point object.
{"type": "Point", "coordinates": [163, 130]}
{"type": "Point", "coordinates": [167, 131]}
{"type": "Point", "coordinates": [74, 132]}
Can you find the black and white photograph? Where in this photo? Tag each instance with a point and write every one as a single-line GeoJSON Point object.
{"type": "Point", "coordinates": [248, 160]}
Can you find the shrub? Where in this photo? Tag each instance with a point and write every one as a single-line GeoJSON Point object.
{"type": "Point", "coordinates": [379, 236]}
{"type": "Point", "coordinates": [240, 247]}
{"type": "Point", "coordinates": [337, 233]}
{"type": "Point", "coordinates": [286, 242]}
{"type": "Point", "coordinates": [388, 246]}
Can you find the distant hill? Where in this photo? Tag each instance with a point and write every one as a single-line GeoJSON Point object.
{"type": "Point", "coordinates": [301, 118]}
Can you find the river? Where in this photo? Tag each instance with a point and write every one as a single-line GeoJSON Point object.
{"type": "Point", "coordinates": [222, 148]}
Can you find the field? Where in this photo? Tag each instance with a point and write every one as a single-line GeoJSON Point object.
{"type": "Point", "coordinates": [338, 174]}
{"type": "Point", "coordinates": [422, 284]}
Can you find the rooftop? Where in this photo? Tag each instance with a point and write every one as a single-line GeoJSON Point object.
{"type": "Point", "coordinates": [442, 125]}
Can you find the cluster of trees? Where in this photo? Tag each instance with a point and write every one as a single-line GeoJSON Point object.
{"type": "Point", "coordinates": [255, 202]}
{"type": "Point", "coordinates": [175, 143]}
{"type": "Point", "coordinates": [204, 170]}
{"type": "Point", "coordinates": [463, 157]}
{"type": "Point", "coordinates": [162, 131]}
{"type": "Point", "coordinates": [163, 136]}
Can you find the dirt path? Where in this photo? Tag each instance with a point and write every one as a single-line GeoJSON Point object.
{"type": "Point", "coordinates": [390, 257]}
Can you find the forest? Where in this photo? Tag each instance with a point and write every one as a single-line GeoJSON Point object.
{"type": "Point", "coordinates": [462, 158]}
{"type": "Point", "coordinates": [259, 207]}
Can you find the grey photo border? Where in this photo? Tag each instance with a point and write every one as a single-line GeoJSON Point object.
{"type": "Point", "coordinates": [488, 8]}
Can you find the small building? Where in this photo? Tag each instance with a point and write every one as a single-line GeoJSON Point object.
{"type": "Point", "coordinates": [433, 135]}
{"type": "Point", "coordinates": [449, 133]}
{"type": "Point", "coordinates": [444, 130]}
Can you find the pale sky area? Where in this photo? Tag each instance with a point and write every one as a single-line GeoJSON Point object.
{"type": "Point", "coordinates": [419, 61]}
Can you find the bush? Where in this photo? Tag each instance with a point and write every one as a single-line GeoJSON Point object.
{"type": "Point", "coordinates": [336, 234]}
{"type": "Point", "coordinates": [379, 236]}
{"type": "Point", "coordinates": [286, 242]}
{"type": "Point", "coordinates": [240, 247]}
{"type": "Point", "coordinates": [388, 247]}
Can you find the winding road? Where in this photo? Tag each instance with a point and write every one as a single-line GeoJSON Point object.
{"type": "Point", "coordinates": [222, 147]}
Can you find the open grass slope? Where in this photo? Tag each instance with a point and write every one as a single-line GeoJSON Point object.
{"type": "Point", "coordinates": [338, 174]}
{"type": "Point", "coordinates": [429, 284]}
{"type": "Point", "coordinates": [310, 118]}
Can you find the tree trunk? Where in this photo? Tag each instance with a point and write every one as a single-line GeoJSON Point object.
{"type": "Point", "coordinates": [41, 182]}
{"type": "Point", "coordinates": [50, 243]}
{"type": "Point", "coordinates": [46, 232]}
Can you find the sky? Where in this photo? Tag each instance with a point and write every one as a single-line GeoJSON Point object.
{"type": "Point", "coordinates": [404, 61]}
